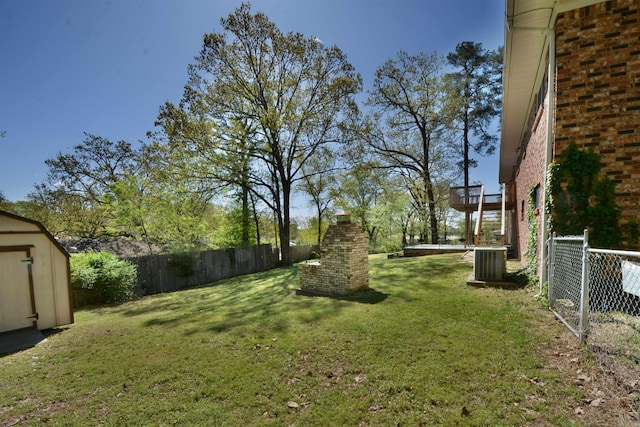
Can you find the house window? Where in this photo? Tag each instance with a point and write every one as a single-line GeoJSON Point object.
{"type": "Point", "coordinates": [542, 92]}
{"type": "Point", "coordinates": [536, 197]}
{"type": "Point", "coordinates": [522, 211]}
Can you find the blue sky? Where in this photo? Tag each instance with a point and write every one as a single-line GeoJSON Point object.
{"type": "Point", "coordinates": [105, 67]}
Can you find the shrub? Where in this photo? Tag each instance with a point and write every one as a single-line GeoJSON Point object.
{"type": "Point", "coordinates": [101, 278]}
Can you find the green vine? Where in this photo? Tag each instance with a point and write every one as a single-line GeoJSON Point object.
{"type": "Point", "coordinates": [551, 185]}
{"type": "Point", "coordinates": [578, 198]}
{"type": "Point", "coordinates": [532, 245]}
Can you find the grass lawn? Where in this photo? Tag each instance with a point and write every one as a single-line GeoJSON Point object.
{"type": "Point", "coordinates": [422, 348]}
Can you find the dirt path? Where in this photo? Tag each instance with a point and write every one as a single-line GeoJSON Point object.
{"type": "Point", "coordinates": [605, 401]}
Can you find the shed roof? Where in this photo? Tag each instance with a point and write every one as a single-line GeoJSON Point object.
{"type": "Point", "coordinates": [39, 226]}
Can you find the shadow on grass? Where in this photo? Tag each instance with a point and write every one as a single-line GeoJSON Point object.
{"type": "Point", "coordinates": [366, 296]}
{"type": "Point", "coordinates": [229, 294]}
{"type": "Point", "coordinates": [504, 285]}
{"type": "Point", "coordinates": [512, 281]}
{"type": "Point", "coordinates": [259, 301]}
{"type": "Point", "coordinates": [264, 301]}
{"type": "Point", "coordinates": [22, 339]}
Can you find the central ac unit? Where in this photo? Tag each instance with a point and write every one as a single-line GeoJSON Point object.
{"type": "Point", "coordinates": [489, 264]}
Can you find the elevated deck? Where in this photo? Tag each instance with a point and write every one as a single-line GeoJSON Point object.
{"type": "Point", "coordinates": [467, 199]}
{"type": "Point", "coordinates": [474, 199]}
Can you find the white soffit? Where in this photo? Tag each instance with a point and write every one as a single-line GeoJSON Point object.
{"type": "Point", "coordinates": [526, 30]}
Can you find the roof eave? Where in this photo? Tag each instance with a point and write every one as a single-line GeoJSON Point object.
{"type": "Point", "coordinates": [528, 24]}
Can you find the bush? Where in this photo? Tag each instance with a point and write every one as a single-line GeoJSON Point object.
{"type": "Point", "coordinates": [101, 278]}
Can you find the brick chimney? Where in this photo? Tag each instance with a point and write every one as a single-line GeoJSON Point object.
{"type": "Point", "coordinates": [344, 261]}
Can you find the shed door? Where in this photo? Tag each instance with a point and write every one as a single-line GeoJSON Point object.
{"type": "Point", "coordinates": [17, 305]}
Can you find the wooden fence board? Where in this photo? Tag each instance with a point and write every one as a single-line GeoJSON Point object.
{"type": "Point", "coordinates": [162, 273]}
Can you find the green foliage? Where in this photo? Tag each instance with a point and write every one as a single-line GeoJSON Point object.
{"type": "Point", "coordinates": [631, 234]}
{"type": "Point", "coordinates": [79, 186]}
{"type": "Point", "coordinates": [581, 199]}
{"type": "Point", "coordinates": [101, 278]}
{"type": "Point", "coordinates": [259, 103]}
{"type": "Point", "coordinates": [531, 253]}
{"type": "Point", "coordinates": [233, 230]}
{"type": "Point", "coordinates": [307, 232]}
{"type": "Point", "coordinates": [551, 182]}
{"type": "Point", "coordinates": [476, 96]}
{"type": "Point", "coordinates": [387, 247]}
{"type": "Point", "coordinates": [543, 296]}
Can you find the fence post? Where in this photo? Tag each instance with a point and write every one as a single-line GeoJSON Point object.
{"type": "Point", "coordinates": [584, 297]}
{"type": "Point", "coordinates": [551, 261]}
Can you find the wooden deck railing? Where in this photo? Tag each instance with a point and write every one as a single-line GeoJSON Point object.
{"type": "Point", "coordinates": [479, 220]}
{"type": "Point", "coordinates": [474, 199]}
{"type": "Point", "coordinates": [467, 199]}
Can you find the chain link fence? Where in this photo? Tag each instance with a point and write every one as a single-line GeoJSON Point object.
{"type": "Point", "coordinates": [614, 313]}
{"type": "Point", "coordinates": [596, 294]}
{"type": "Point", "coordinates": [565, 290]}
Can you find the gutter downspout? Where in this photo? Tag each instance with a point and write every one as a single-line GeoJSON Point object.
{"type": "Point", "coordinates": [551, 95]}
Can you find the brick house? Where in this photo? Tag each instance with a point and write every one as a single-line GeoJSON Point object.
{"type": "Point", "coordinates": [571, 74]}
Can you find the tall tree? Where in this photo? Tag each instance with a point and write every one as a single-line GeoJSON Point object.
{"type": "Point", "coordinates": [176, 210]}
{"type": "Point", "coordinates": [92, 168]}
{"type": "Point", "coordinates": [319, 183]}
{"type": "Point", "coordinates": [358, 193]}
{"type": "Point", "coordinates": [81, 184]}
{"type": "Point", "coordinates": [408, 127]}
{"type": "Point", "coordinates": [477, 87]}
{"type": "Point", "coordinates": [290, 89]}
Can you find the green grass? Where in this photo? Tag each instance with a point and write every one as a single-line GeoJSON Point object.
{"type": "Point", "coordinates": [421, 348]}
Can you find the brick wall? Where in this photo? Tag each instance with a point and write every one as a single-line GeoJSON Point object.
{"type": "Point", "coordinates": [598, 91]}
{"type": "Point", "coordinates": [597, 103]}
{"type": "Point", "coordinates": [344, 262]}
{"type": "Point", "coordinates": [530, 171]}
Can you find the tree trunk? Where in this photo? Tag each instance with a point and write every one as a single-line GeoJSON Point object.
{"type": "Point", "coordinates": [404, 236]}
{"type": "Point", "coordinates": [468, 234]}
{"type": "Point", "coordinates": [245, 217]}
{"type": "Point", "coordinates": [256, 220]}
{"type": "Point", "coordinates": [431, 203]}
{"type": "Point", "coordinates": [319, 222]}
{"type": "Point", "coordinates": [285, 225]}
{"type": "Point", "coordinates": [433, 219]}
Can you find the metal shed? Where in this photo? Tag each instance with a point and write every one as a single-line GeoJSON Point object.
{"type": "Point", "coordinates": [35, 279]}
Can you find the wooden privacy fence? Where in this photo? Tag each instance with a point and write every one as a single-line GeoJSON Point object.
{"type": "Point", "coordinates": [172, 272]}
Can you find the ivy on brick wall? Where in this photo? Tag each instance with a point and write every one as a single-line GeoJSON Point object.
{"type": "Point", "coordinates": [580, 198]}
{"type": "Point", "coordinates": [531, 254]}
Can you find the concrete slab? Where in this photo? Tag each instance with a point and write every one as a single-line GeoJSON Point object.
{"type": "Point", "coordinates": [426, 249]}
{"type": "Point", "coordinates": [471, 281]}
{"type": "Point", "coordinates": [12, 342]}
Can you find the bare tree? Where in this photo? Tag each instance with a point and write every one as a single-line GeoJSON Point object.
{"type": "Point", "coordinates": [408, 128]}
